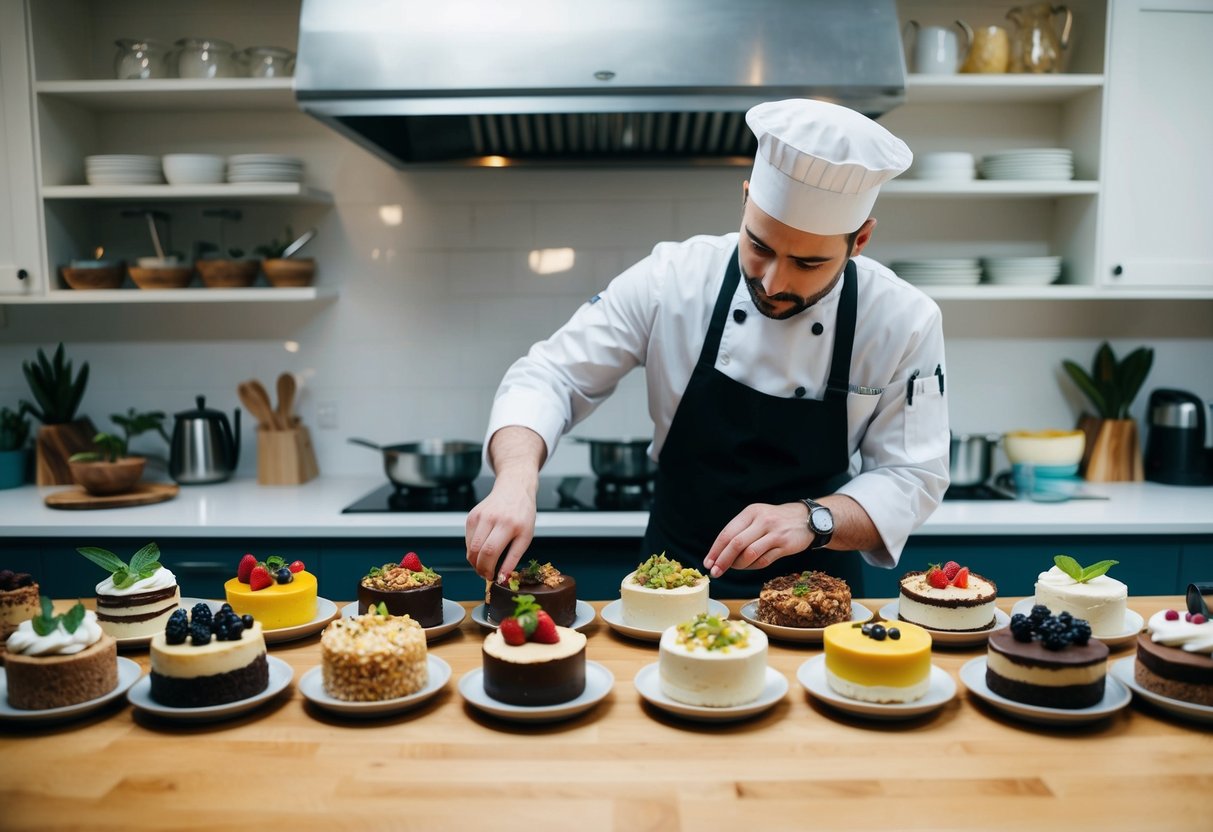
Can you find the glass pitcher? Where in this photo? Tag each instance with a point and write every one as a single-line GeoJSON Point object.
{"type": "Point", "coordinates": [1035, 45]}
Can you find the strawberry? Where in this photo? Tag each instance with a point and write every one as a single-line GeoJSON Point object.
{"type": "Point", "coordinates": [245, 568]}
{"type": "Point", "coordinates": [545, 629]}
{"type": "Point", "coordinates": [297, 566]}
{"type": "Point", "coordinates": [260, 578]}
{"type": "Point", "coordinates": [411, 562]}
{"type": "Point", "coordinates": [937, 578]}
{"type": "Point", "coordinates": [950, 569]}
{"type": "Point", "coordinates": [962, 578]}
{"type": "Point", "coordinates": [512, 632]}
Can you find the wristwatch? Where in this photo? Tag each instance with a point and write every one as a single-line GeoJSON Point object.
{"type": "Point", "coordinates": [821, 524]}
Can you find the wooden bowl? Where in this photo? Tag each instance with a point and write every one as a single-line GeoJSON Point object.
{"type": "Point", "coordinates": [227, 274]}
{"type": "Point", "coordinates": [104, 478]}
{"type": "Point", "coordinates": [104, 277]}
{"type": "Point", "coordinates": [289, 272]}
{"type": "Point", "coordinates": [165, 277]}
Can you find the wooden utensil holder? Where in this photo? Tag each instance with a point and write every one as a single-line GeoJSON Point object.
{"type": "Point", "coordinates": [285, 457]}
{"type": "Point", "coordinates": [54, 444]}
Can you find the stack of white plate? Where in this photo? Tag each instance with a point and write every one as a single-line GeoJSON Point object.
{"type": "Point", "coordinates": [939, 271]}
{"type": "Point", "coordinates": [946, 166]}
{"type": "Point", "coordinates": [122, 170]}
{"type": "Point", "coordinates": [264, 167]}
{"type": "Point", "coordinates": [1021, 271]}
{"type": "Point", "coordinates": [1040, 163]}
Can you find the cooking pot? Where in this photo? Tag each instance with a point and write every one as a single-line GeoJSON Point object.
{"type": "Point", "coordinates": [621, 460]}
{"type": "Point", "coordinates": [430, 463]}
{"type": "Point", "coordinates": [972, 458]}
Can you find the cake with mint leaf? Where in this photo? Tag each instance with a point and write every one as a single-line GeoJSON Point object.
{"type": "Point", "coordinates": [405, 588]}
{"type": "Point", "coordinates": [1085, 592]}
{"type": "Point", "coordinates": [806, 599]}
{"type": "Point", "coordinates": [58, 660]}
{"type": "Point", "coordinates": [274, 592]}
{"type": "Point", "coordinates": [661, 593]}
{"type": "Point", "coordinates": [552, 590]}
{"type": "Point", "coordinates": [712, 662]}
{"type": "Point", "coordinates": [137, 598]}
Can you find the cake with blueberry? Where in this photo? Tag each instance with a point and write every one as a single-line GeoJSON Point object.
{"type": "Point", "coordinates": [18, 602]}
{"type": "Point", "coordinates": [202, 658]}
{"type": "Point", "coordinates": [552, 590]}
{"type": "Point", "coordinates": [274, 592]}
{"type": "Point", "coordinates": [661, 593]}
{"type": "Point", "coordinates": [712, 662]}
{"type": "Point", "coordinates": [530, 660]}
{"type": "Point", "coordinates": [1047, 660]}
{"type": "Point", "coordinates": [405, 588]}
{"type": "Point", "coordinates": [805, 599]}
{"type": "Point", "coordinates": [373, 657]}
{"type": "Point", "coordinates": [878, 662]}
{"type": "Point", "coordinates": [58, 660]}
{"type": "Point", "coordinates": [136, 599]}
{"type": "Point", "coordinates": [1175, 657]}
{"type": "Point", "coordinates": [1086, 593]}
{"type": "Point", "coordinates": [947, 598]}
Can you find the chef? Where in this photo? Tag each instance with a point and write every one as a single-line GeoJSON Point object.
{"type": "Point", "coordinates": [797, 389]}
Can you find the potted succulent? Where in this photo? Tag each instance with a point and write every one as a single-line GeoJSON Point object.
{"type": "Point", "coordinates": [14, 439]}
{"type": "Point", "coordinates": [110, 469]}
{"type": "Point", "coordinates": [281, 269]}
{"type": "Point", "coordinates": [1113, 449]}
{"type": "Point", "coordinates": [57, 394]}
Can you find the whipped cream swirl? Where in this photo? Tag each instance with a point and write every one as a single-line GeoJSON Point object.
{"type": "Point", "coordinates": [58, 642]}
{"type": "Point", "coordinates": [160, 579]}
{"type": "Point", "coordinates": [1189, 637]}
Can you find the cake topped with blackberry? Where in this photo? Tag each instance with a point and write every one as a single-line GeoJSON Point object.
{"type": "Point", "coordinates": [207, 658]}
{"type": "Point", "coordinates": [18, 601]}
{"type": "Point", "coordinates": [805, 599]}
{"type": "Point", "coordinates": [406, 588]}
{"type": "Point", "coordinates": [551, 589]}
{"type": "Point", "coordinates": [1047, 660]}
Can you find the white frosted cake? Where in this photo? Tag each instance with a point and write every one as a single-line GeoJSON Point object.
{"type": "Point", "coordinates": [661, 594]}
{"type": "Point", "coordinates": [1099, 601]}
{"type": "Point", "coordinates": [962, 603]}
{"type": "Point", "coordinates": [141, 609]}
{"type": "Point", "coordinates": [713, 662]}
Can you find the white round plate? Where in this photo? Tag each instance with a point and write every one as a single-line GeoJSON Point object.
{"type": "Point", "coordinates": [807, 635]}
{"type": "Point", "coordinates": [598, 683]}
{"type": "Point", "coordinates": [128, 672]}
{"type": "Point", "coordinates": [140, 695]}
{"type": "Point", "coordinates": [940, 691]}
{"type": "Point", "coordinates": [1116, 696]}
{"type": "Point", "coordinates": [944, 638]}
{"type": "Point", "coordinates": [326, 611]}
{"type": "Point", "coordinates": [1133, 624]}
{"type": "Point", "coordinates": [453, 614]}
{"type": "Point", "coordinates": [1122, 670]}
{"type": "Point", "coordinates": [583, 616]}
{"type": "Point", "coordinates": [648, 685]}
{"type": "Point", "coordinates": [612, 614]}
{"type": "Point", "coordinates": [311, 685]}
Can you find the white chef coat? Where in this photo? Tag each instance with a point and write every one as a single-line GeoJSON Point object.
{"type": "Point", "coordinates": [656, 314]}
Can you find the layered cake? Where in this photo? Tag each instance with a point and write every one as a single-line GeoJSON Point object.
{"type": "Point", "coordinates": [59, 660]}
{"type": "Point", "coordinates": [406, 588]}
{"type": "Point", "coordinates": [660, 593]}
{"type": "Point", "coordinates": [1086, 593]}
{"type": "Point", "coordinates": [18, 602]}
{"type": "Point", "coordinates": [274, 592]}
{"type": "Point", "coordinates": [806, 599]}
{"type": "Point", "coordinates": [884, 663]}
{"type": "Point", "coordinates": [530, 660]}
{"type": "Point", "coordinates": [713, 662]}
{"type": "Point", "coordinates": [202, 659]}
{"type": "Point", "coordinates": [1047, 660]}
{"type": "Point", "coordinates": [556, 593]}
{"type": "Point", "coordinates": [373, 657]}
{"type": "Point", "coordinates": [1175, 657]}
{"type": "Point", "coordinates": [137, 598]}
{"type": "Point", "coordinates": [949, 598]}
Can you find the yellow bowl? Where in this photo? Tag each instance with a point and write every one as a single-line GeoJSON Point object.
{"type": "Point", "coordinates": [1045, 447]}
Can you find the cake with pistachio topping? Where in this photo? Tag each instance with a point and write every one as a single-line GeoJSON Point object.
{"type": "Point", "coordinates": [661, 593]}
{"type": "Point", "coordinates": [713, 662]}
{"type": "Point", "coordinates": [551, 589]}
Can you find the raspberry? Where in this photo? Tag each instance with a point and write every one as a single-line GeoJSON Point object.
{"type": "Point", "coordinates": [950, 569]}
{"type": "Point", "coordinates": [297, 566]}
{"type": "Point", "coordinates": [512, 632]}
{"type": "Point", "coordinates": [245, 568]}
{"type": "Point", "coordinates": [1172, 615]}
{"type": "Point", "coordinates": [1199, 619]}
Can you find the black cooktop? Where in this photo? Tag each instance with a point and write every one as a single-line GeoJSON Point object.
{"type": "Point", "coordinates": [555, 494]}
{"type": "Point", "coordinates": [976, 492]}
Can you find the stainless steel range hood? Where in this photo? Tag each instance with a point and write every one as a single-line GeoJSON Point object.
{"type": "Point", "coordinates": [495, 82]}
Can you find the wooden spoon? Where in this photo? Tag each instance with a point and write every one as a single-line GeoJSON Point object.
{"type": "Point", "coordinates": [257, 402]}
{"type": "Point", "coordinates": [286, 400]}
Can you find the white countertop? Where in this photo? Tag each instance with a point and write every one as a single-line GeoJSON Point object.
{"type": "Point", "coordinates": [242, 508]}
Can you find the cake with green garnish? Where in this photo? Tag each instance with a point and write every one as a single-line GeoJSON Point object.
{"type": "Point", "coordinates": [1085, 592]}
{"type": "Point", "coordinates": [407, 588]}
{"type": "Point", "coordinates": [805, 599]}
{"type": "Point", "coordinates": [661, 593]}
{"type": "Point", "coordinates": [373, 657]}
{"type": "Point", "coordinates": [58, 660]}
{"type": "Point", "coordinates": [551, 589]}
{"type": "Point", "coordinates": [713, 662]}
{"type": "Point", "coordinates": [137, 598]}
{"type": "Point", "coordinates": [529, 660]}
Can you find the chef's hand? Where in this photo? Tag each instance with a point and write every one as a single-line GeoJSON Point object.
{"type": "Point", "coordinates": [503, 523]}
{"type": "Point", "coordinates": [759, 536]}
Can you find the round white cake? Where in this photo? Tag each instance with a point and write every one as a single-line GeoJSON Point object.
{"type": "Point", "coordinates": [713, 662]}
{"type": "Point", "coordinates": [1101, 601]}
{"type": "Point", "coordinates": [661, 593]}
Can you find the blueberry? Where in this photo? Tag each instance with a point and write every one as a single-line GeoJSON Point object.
{"type": "Point", "coordinates": [247, 621]}
{"type": "Point", "coordinates": [226, 608]}
{"type": "Point", "coordinates": [867, 629]}
{"type": "Point", "coordinates": [235, 631]}
{"type": "Point", "coordinates": [878, 632]}
{"type": "Point", "coordinates": [894, 633]}
{"type": "Point", "coordinates": [284, 575]}
{"type": "Point", "coordinates": [200, 634]}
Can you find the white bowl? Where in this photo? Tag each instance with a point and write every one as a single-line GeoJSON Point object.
{"type": "Point", "coordinates": [1045, 447]}
{"type": "Point", "coordinates": [193, 169]}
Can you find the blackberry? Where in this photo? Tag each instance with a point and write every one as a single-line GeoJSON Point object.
{"type": "Point", "coordinates": [175, 631]}
{"type": "Point", "coordinates": [202, 612]}
{"type": "Point", "coordinates": [1019, 617]}
{"type": "Point", "coordinates": [235, 630]}
{"type": "Point", "coordinates": [1065, 618]}
{"type": "Point", "coordinates": [247, 621]}
{"type": "Point", "coordinates": [180, 614]}
{"type": "Point", "coordinates": [200, 634]}
{"type": "Point", "coordinates": [1039, 613]}
{"type": "Point", "coordinates": [1022, 630]}
{"type": "Point", "coordinates": [1053, 642]}
{"type": "Point", "coordinates": [1080, 633]}
{"type": "Point", "coordinates": [226, 608]}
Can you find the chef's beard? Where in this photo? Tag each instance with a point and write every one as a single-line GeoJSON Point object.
{"type": "Point", "coordinates": [767, 304]}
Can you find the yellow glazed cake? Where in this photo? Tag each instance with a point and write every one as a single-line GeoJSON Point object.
{"type": "Point", "coordinates": [883, 662]}
{"type": "Point", "coordinates": [275, 594]}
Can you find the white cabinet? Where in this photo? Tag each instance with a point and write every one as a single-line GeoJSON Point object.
{"type": "Point", "coordinates": [21, 255]}
{"type": "Point", "coordinates": [1159, 150]}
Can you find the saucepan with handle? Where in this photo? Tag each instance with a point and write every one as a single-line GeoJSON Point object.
{"type": "Point", "coordinates": [621, 460]}
{"type": "Point", "coordinates": [430, 463]}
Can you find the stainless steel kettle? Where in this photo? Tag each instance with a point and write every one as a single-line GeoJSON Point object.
{"type": "Point", "coordinates": [204, 447]}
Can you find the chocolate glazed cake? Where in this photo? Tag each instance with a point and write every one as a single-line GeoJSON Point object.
{"type": "Point", "coordinates": [1173, 672]}
{"type": "Point", "coordinates": [554, 592]}
{"type": "Point", "coordinates": [534, 673]}
{"type": "Point", "coordinates": [423, 603]}
{"type": "Point", "coordinates": [1073, 677]}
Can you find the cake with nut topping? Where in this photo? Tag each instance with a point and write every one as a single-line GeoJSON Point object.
{"type": "Point", "coordinates": [713, 662]}
{"type": "Point", "coordinates": [18, 602]}
{"type": "Point", "coordinates": [373, 657]}
{"type": "Point", "coordinates": [408, 588]}
{"type": "Point", "coordinates": [551, 589]}
{"type": "Point", "coordinates": [662, 593]}
{"type": "Point", "coordinates": [806, 599]}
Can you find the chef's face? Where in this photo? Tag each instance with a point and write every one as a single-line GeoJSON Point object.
{"type": "Point", "coordinates": [788, 270]}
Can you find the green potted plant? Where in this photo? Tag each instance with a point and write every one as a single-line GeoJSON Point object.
{"type": "Point", "coordinates": [110, 469]}
{"type": "Point", "coordinates": [1113, 449]}
{"type": "Point", "coordinates": [283, 270]}
{"type": "Point", "coordinates": [14, 439]}
{"type": "Point", "coordinates": [57, 394]}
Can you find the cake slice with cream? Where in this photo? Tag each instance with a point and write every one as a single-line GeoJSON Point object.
{"type": "Point", "coordinates": [136, 599]}
{"type": "Point", "coordinates": [947, 598]}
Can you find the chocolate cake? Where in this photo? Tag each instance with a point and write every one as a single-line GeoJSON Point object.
{"type": "Point", "coordinates": [556, 593]}
{"type": "Point", "coordinates": [416, 593]}
{"type": "Point", "coordinates": [209, 660]}
{"type": "Point", "coordinates": [535, 673]}
{"type": "Point", "coordinates": [1175, 657]}
{"type": "Point", "coordinates": [1073, 676]}
{"type": "Point", "coordinates": [805, 599]}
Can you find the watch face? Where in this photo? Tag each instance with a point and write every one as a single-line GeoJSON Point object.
{"type": "Point", "coordinates": [823, 520]}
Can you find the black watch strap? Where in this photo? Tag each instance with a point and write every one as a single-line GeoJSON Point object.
{"type": "Point", "coordinates": [822, 533]}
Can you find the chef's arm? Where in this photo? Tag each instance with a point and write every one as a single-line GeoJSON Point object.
{"type": "Point", "coordinates": [501, 527]}
{"type": "Point", "coordinates": [853, 528]}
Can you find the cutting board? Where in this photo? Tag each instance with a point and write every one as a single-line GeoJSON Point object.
{"type": "Point", "coordinates": [144, 494]}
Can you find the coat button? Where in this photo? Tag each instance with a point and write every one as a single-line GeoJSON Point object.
{"type": "Point", "coordinates": [818, 328]}
{"type": "Point", "coordinates": [739, 315]}
{"type": "Point", "coordinates": [799, 392]}
{"type": "Point", "coordinates": [724, 359]}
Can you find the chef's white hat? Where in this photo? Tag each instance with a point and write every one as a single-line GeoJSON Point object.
{"type": "Point", "coordinates": [819, 166]}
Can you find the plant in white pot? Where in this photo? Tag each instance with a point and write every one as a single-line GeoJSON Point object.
{"type": "Point", "coordinates": [1113, 449]}
{"type": "Point", "coordinates": [110, 469]}
{"type": "Point", "coordinates": [14, 447]}
{"type": "Point", "coordinates": [57, 393]}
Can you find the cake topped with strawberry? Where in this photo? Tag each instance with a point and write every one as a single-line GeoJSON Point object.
{"type": "Point", "coordinates": [276, 593]}
{"type": "Point", "coordinates": [948, 598]}
{"type": "Point", "coordinates": [531, 660]}
{"type": "Point", "coordinates": [553, 590]}
{"type": "Point", "coordinates": [406, 588]}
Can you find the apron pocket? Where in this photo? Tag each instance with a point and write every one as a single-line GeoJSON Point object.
{"type": "Point", "coordinates": [926, 426]}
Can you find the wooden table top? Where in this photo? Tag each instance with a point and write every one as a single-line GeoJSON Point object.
{"type": "Point", "coordinates": [621, 766]}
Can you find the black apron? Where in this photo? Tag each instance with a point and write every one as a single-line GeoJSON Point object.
{"type": "Point", "coordinates": [730, 446]}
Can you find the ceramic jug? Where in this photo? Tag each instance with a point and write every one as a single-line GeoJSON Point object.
{"type": "Point", "coordinates": [937, 49]}
{"type": "Point", "coordinates": [990, 52]}
{"type": "Point", "coordinates": [1036, 45]}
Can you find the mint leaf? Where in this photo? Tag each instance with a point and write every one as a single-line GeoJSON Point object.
{"type": "Point", "coordinates": [1096, 569]}
{"type": "Point", "coordinates": [71, 620]}
{"type": "Point", "coordinates": [123, 579]}
{"type": "Point", "coordinates": [105, 559]}
{"type": "Point", "coordinates": [44, 624]}
{"type": "Point", "coordinates": [148, 554]}
{"type": "Point", "coordinates": [274, 562]}
{"type": "Point", "coordinates": [149, 570]}
{"type": "Point", "coordinates": [48, 606]}
{"type": "Point", "coordinates": [1068, 565]}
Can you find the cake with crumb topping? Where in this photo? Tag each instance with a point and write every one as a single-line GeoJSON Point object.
{"type": "Point", "coordinates": [407, 588]}
{"type": "Point", "coordinates": [373, 657]}
{"type": "Point", "coordinates": [713, 662]}
{"type": "Point", "coordinates": [805, 599]}
{"type": "Point", "coordinates": [551, 589]}
{"type": "Point", "coordinates": [18, 602]}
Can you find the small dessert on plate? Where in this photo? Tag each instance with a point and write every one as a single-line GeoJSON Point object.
{"type": "Point", "coordinates": [18, 602]}
{"type": "Point", "coordinates": [555, 592]}
{"type": "Point", "coordinates": [58, 660]}
{"type": "Point", "coordinates": [1046, 660]}
{"type": "Point", "coordinates": [949, 598]}
{"type": "Point", "coordinates": [136, 599]}
{"type": "Point", "coordinates": [274, 592]}
{"type": "Point", "coordinates": [373, 657]}
{"type": "Point", "coordinates": [1086, 593]}
{"type": "Point", "coordinates": [883, 663]}
{"type": "Point", "coordinates": [806, 599]}
{"type": "Point", "coordinates": [660, 593]}
{"type": "Point", "coordinates": [203, 658]}
{"type": "Point", "coordinates": [713, 662]}
{"type": "Point", "coordinates": [1175, 657]}
{"type": "Point", "coordinates": [530, 660]}
{"type": "Point", "coordinates": [407, 588]}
